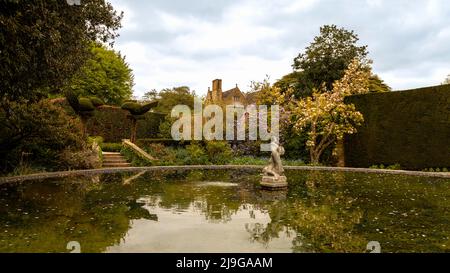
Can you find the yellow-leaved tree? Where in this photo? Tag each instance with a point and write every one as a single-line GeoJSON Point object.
{"type": "Point", "coordinates": [325, 115]}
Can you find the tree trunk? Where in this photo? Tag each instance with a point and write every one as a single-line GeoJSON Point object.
{"type": "Point", "coordinates": [84, 126]}
{"type": "Point", "coordinates": [315, 156]}
{"type": "Point", "coordinates": [133, 130]}
{"type": "Point", "coordinates": [340, 153]}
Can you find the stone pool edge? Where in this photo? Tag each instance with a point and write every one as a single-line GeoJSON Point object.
{"type": "Point", "coordinates": [40, 176]}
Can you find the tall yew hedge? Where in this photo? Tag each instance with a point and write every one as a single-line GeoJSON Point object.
{"type": "Point", "coordinates": [410, 128]}
{"type": "Point", "coordinates": [113, 125]}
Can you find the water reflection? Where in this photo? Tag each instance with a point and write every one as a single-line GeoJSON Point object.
{"type": "Point", "coordinates": [217, 211]}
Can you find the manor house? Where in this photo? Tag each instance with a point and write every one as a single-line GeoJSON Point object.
{"type": "Point", "coordinates": [230, 97]}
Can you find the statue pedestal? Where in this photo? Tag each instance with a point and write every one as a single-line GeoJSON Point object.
{"type": "Point", "coordinates": [272, 183]}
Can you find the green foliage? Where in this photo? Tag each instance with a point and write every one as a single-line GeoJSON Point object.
{"type": "Point", "coordinates": [444, 170]}
{"type": "Point", "coordinates": [219, 152]}
{"type": "Point", "coordinates": [137, 109]}
{"type": "Point", "coordinates": [37, 133]}
{"type": "Point", "coordinates": [96, 101]}
{"type": "Point", "coordinates": [111, 147]}
{"type": "Point", "coordinates": [44, 43]}
{"type": "Point", "coordinates": [289, 81]}
{"type": "Point", "coordinates": [390, 167]}
{"type": "Point", "coordinates": [171, 97]}
{"type": "Point", "coordinates": [131, 106]}
{"type": "Point", "coordinates": [145, 142]}
{"type": "Point", "coordinates": [113, 124]}
{"type": "Point", "coordinates": [105, 75]}
{"type": "Point", "coordinates": [97, 139]}
{"type": "Point", "coordinates": [326, 59]}
{"type": "Point", "coordinates": [165, 128]}
{"type": "Point", "coordinates": [197, 155]}
{"type": "Point", "coordinates": [166, 156]}
{"type": "Point", "coordinates": [377, 85]}
{"type": "Point", "coordinates": [411, 128]}
{"type": "Point", "coordinates": [137, 112]}
{"type": "Point", "coordinates": [85, 105]}
{"type": "Point", "coordinates": [133, 158]}
{"type": "Point", "coordinates": [249, 160]}
{"type": "Point", "coordinates": [82, 105]}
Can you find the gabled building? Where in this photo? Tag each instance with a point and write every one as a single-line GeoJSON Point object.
{"type": "Point", "coordinates": [233, 96]}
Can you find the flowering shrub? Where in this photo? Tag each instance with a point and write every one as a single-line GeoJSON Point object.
{"type": "Point", "coordinates": [325, 115]}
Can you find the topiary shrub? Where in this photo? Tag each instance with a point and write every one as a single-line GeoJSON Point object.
{"type": "Point", "coordinates": [84, 107]}
{"type": "Point", "coordinates": [137, 111]}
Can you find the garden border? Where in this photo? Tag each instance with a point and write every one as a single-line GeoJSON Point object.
{"type": "Point", "coordinates": [41, 176]}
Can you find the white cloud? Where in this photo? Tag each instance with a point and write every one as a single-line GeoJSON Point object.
{"type": "Point", "coordinates": [191, 43]}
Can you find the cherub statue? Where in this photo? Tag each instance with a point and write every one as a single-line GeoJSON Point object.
{"type": "Point", "coordinates": [275, 168]}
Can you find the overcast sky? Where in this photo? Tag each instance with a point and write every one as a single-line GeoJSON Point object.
{"type": "Point", "coordinates": [178, 42]}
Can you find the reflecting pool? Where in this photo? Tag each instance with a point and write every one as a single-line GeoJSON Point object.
{"type": "Point", "coordinates": [226, 211]}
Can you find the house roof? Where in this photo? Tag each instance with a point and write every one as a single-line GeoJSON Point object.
{"type": "Point", "coordinates": [231, 92]}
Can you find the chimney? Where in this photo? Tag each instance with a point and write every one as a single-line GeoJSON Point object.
{"type": "Point", "coordinates": [217, 90]}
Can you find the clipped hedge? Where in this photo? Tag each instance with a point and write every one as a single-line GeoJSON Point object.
{"type": "Point", "coordinates": [144, 142]}
{"type": "Point", "coordinates": [410, 128]}
{"type": "Point", "coordinates": [113, 124]}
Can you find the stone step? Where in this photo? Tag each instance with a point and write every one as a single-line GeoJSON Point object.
{"type": "Point", "coordinates": [114, 161]}
{"type": "Point", "coordinates": [113, 156]}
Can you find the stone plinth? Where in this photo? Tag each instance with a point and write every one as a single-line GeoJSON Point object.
{"type": "Point", "coordinates": [272, 183]}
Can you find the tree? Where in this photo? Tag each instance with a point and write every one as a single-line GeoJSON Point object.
{"type": "Point", "coordinates": [325, 115]}
{"type": "Point", "coordinates": [326, 59]}
{"type": "Point", "coordinates": [377, 85]}
{"type": "Point", "coordinates": [137, 112]}
{"type": "Point", "coordinates": [105, 75]}
{"type": "Point", "coordinates": [171, 97]}
{"type": "Point", "coordinates": [44, 43]}
{"type": "Point", "coordinates": [150, 95]}
{"type": "Point", "coordinates": [289, 82]}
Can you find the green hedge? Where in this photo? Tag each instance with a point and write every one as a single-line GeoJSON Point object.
{"type": "Point", "coordinates": [410, 128]}
{"type": "Point", "coordinates": [113, 124]}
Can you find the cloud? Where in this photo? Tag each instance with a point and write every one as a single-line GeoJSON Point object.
{"type": "Point", "coordinates": [172, 43]}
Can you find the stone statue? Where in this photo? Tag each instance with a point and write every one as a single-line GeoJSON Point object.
{"type": "Point", "coordinates": [273, 174]}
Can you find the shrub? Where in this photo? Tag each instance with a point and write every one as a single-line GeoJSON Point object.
{"type": "Point", "coordinates": [111, 147]}
{"type": "Point", "coordinates": [249, 160]}
{"type": "Point", "coordinates": [144, 142]}
{"type": "Point", "coordinates": [133, 158]}
{"type": "Point", "coordinates": [219, 152]}
{"type": "Point", "coordinates": [196, 155]}
{"type": "Point", "coordinates": [80, 160]}
{"type": "Point", "coordinates": [164, 155]}
{"type": "Point", "coordinates": [97, 139]}
{"type": "Point", "coordinates": [247, 148]}
{"type": "Point", "coordinates": [37, 134]}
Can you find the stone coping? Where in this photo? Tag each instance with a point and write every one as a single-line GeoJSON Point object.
{"type": "Point", "coordinates": [41, 176]}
